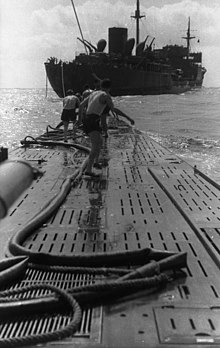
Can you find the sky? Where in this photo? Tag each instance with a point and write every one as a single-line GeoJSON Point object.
{"type": "Point", "coordinates": [31, 31]}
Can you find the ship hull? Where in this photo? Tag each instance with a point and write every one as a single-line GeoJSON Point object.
{"type": "Point", "coordinates": [149, 213]}
{"type": "Point", "coordinates": [125, 81]}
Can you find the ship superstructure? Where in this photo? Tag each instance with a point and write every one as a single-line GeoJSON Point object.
{"type": "Point", "coordinates": [134, 67]}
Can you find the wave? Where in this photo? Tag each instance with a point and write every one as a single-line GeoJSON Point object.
{"type": "Point", "coordinates": [181, 142]}
{"type": "Point", "coordinates": [21, 110]}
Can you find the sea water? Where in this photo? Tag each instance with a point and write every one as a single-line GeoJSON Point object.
{"type": "Point", "coordinates": [188, 124]}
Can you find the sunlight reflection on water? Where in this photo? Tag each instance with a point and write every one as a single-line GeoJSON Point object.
{"type": "Point", "coordinates": [187, 124]}
{"type": "Point", "coordinates": [26, 112]}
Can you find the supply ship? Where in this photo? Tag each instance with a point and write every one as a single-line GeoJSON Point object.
{"type": "Point", "coordinates": [171, 69]}
{"type": "Point", "coordinates": [129, 259]}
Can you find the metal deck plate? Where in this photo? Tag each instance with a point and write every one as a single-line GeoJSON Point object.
{"type": "Point", "coordinates": [188, 325]}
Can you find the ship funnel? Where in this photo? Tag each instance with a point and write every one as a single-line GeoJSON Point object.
{"type": "Point", "coordinates": [117, 40]}
{"type": "Point", "coordinates": [101, 45]}
{"type": "Point", "coordinates": [129, 46]}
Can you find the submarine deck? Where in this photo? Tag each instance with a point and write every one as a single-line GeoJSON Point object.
{"type": "Point", "coordinates": [145, 197]}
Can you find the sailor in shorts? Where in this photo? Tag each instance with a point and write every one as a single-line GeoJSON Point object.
{"type": "Point", "coordinates": [70, 104]}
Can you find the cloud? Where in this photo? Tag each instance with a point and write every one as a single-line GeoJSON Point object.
{"type": "Point", "coordinates": [30, 35]}
{"type": "Point", "coordinates": [59, 26]}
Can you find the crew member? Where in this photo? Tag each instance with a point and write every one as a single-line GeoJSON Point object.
{"type": "Point", "coordinates": [86, 92]}
{"type": "Point", "coordinates": [95, 104]}
{"type": "Point", "coordinates": [70, 104]}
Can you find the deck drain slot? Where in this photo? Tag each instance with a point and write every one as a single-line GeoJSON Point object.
{"type": "Point", "coordinates": [188, 325]}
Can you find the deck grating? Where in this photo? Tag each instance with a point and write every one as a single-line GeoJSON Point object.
{"type": "Point", "coordinates": [142, 200]}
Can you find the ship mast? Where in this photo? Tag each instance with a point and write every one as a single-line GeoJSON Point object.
{"type": "Point", "coordinates": [188, 38]}
{"type": "Point", "coordinates": [137, 17]}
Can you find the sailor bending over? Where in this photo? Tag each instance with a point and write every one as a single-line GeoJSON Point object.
{"type": "Point", "coordinates": [95, 104]}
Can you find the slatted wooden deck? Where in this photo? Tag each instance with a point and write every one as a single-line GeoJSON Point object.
{"type": "Point", "coordinates": [145, 197]}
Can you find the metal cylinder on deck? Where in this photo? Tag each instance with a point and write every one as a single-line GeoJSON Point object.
{"type": "Point", "coordinates": [117, 38]}
{"type": "Point", "coordinates": [15, 177]}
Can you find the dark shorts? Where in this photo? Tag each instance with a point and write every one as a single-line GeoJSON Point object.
{"type": "Point", "coordinates": [68, 115]}
{"type": "Point", "coordinates": [91, 123]}
{"type": "Point", "coordinates": [106, 110]}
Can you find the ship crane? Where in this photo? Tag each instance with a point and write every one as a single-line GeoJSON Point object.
{"type": "Point", "coordinates": [137, 16]}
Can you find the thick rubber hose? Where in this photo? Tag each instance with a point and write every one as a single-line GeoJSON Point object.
{"type": "Point", "coordinates": [90, 294]}
{"type": "Point", "coordinates": [85, 295]}
{"type": "Point", "coordinates": [93, 259]}
{"type": "Point", "coordinates": [54, 143]}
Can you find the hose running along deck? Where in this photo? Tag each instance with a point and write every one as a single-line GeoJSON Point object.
{"type": "Point", "coordinates": [127, 260]}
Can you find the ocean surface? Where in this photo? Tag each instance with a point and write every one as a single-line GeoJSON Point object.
{"type": "Point", "coordinates": [187, 124]}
